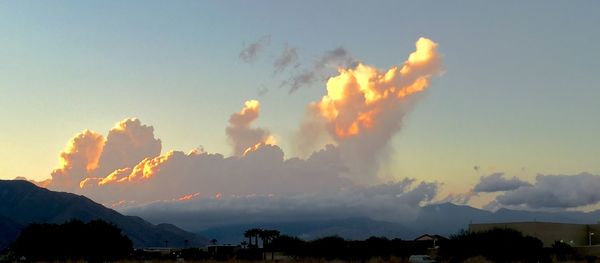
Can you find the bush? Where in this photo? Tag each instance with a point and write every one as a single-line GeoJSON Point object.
{"type": "Point", "coordinates": [498, 245]}
{"type": "Point", "coordinates": [74, 240]}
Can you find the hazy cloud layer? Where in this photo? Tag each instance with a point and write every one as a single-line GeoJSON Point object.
{"type": "Point", "coordinates": [395, 202]}
{"type": "Point", "coordinates": [496, 183]}
{"type": "Point", "coordinates": [263, 171]}
{"type": "Point", "coordinates": [555, 191]}
{"type": "Point", "coordinates": [458, 198]}
{"type": "Point", "coordinates": [287, 59]}
{"type": "Point", "coordinates": [321, 70]}
{"type": "Point", "coordinates": [251, 52]}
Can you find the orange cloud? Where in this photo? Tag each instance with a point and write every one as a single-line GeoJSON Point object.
{"type": "Point", "coordinates": [364, 107]}
{"type": "Point", "coordinates": [89, 157]}
{"type": "Point", "coordinates": [79, 158]}
{"type": "Point", "coordinates": [361, 111]}
{"type": "Point", "coordinates": [188, 197]}
{"type": "Point", "coordinates": [357, 97]}
{"type": "Point", "coordinates": [241, 135]}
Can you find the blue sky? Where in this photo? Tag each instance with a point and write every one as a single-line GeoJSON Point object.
{"type": "Point", "coordinates": [520, 93]}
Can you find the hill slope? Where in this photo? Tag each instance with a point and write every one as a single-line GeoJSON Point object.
{"type": "Point", "coordinates": [350, 228]}
{"type": "Point", "coordinates": [23, 203]}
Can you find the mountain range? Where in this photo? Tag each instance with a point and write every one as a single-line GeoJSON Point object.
{"type": "Point", "coordinates": [23, 203]}
{"type": "Point", "coordinates": [444, 219]}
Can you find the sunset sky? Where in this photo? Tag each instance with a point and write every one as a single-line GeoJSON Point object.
{"type": "Point", "coordinates": [517, 90]}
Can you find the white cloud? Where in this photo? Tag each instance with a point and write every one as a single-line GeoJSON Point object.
{"type": "Point", "coordinates": [555, 192]}
{"type": "Point", "coordinates": [497, 183]}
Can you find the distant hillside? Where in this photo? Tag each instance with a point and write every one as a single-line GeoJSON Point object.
{"type": "Point", "coordinates": [444, 219]}
{"type": "Point", "coordinates": [22, 203]}
{"type": "Point", "coordinates": [448, 218]}
{"type": "Point", "coordinates": [351, 228]}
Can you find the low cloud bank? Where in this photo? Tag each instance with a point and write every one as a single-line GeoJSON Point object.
{"type": "Point", "coordinates": [555, 192]}
{"type": "Point", "coordinates": [497, 183]}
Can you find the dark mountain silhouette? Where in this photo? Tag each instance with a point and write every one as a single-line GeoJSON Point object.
{"type": "Point", "coordinates": [444, 219]}
{"type": "Point", "coordinates": [350, 228]}
{"type": "Point", "coordinates": [9, 230]}
{"type": "Point", "coordinates": [23, 203]}
{"type": "Point", "coordinates": [448, 218]}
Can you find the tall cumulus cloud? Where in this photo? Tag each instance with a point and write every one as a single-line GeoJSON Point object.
{"type": "Point", "coordinates": [363, 107]}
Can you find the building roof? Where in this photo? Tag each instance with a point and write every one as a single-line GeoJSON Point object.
{"type": "Point", "coordinates": [426, 237]}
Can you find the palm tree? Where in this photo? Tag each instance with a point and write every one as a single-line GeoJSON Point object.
{"type": "Point", "coordinates": [244, 243]}
{"type": "Point", "coordinates": [213, 241]}
{"type": "Point", "coordinates": [267, 236]}
{"type": "Point", "coordinates": [271, 235]}
{"type": "Point", "coordinates": [248, 234]}
{"type": "Point", "coordinates": [253, 232]}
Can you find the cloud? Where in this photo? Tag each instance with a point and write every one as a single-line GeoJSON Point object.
{"type": "Point", "coordinates": [361, 110]}
{"type": "Point", "coordinates": [262, 171]}
{"type": "Point", "coordinates": [288, 58]}
{"type": "Point", "coordinates": [321, 70]}
{"type": "Point", "coordinates": [79, 158]}
{"type": "Point", "coordinates": [497, 183]}
{"type": "Point", "coordinates": [458, 198]}
{"type": "Point", "coordinates": [251, 52]}
{"type": "Point", "coordinates": [555, 192]}
{"type": "Point", "coordinates": [394, 202]}
{"type": "Point", "coordinates": [364, 107]}
{"type": "Point", "coordinates": [241, 136]}
{"type": "Point", "coordinates": [127, 144]}
{"type": "Point", "coordinates": [89, 155]}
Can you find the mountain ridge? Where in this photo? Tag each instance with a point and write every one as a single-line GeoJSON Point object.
{"type": "Point", "coordinates": [445, 219]}
{"type": "Point", "coordinates": [23, 203]}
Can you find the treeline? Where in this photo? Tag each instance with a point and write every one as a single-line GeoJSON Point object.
{"type": "Point", "coordinates": [98, 241]}
{"type": "Point", "coordinates": [496, 245]}
{"type": "Point", "coordinates": [504, 245]}
{"type": "Point", "coordinates": [335, 247]}
{"type": "Point", "coordinates": [326, 248]}
{"type": "Point", "coordinates": [95, 241]}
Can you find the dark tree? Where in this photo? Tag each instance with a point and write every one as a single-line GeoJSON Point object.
{"type": "Point", "coordinates": [74, 240]}
{"type": "Point", "coordinates": [253, 233]}
{"type": "Point", "coordinates": [563, 251]}
{"type": "Point", "coordinates": [498, 245]}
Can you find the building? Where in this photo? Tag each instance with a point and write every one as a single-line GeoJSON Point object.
{"type": "Point", "coordinates": [428, 237]}
{"type": "Point", "coordinates": [576, 235]}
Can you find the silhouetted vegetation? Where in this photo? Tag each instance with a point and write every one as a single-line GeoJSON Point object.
{"type": "Point", "coordinates": [497, 245]}
{"type": "Point", "coordinates": [334, 247]}
{"type": "Point", "coordinates": [563, 251]}
{"type": "Point", "coordinates": [100, 241]}
{"type": "Point", "coordinates": [74, 240]}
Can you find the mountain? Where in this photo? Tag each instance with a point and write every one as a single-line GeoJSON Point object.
{"type": "Point", "coordinates": [447, 219]}
{"type": "Point", "coordinates": [444, 219]}
{"type": "Point", "coordinates": [350, 228]}
{"type": "Point", "coordinates": [23, 203]}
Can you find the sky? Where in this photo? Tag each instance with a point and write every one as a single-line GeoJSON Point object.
{"type": "Point", "coordinates": [517, 93]}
